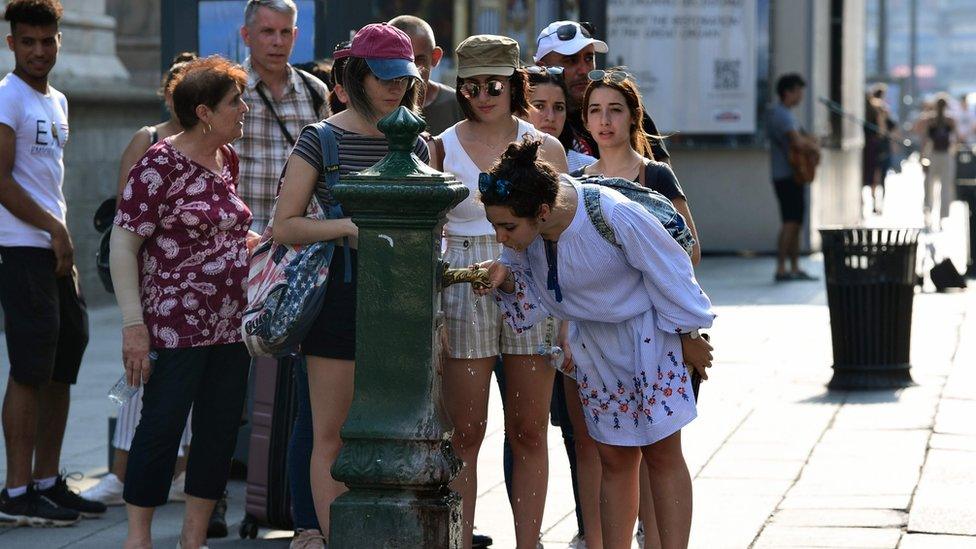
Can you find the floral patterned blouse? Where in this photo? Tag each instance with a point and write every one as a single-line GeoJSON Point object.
{"type": "Point", "coordinates": [193, 264]}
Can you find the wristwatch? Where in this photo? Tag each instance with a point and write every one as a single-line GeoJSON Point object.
{"type": "Point", "coordinates": [694, 334]}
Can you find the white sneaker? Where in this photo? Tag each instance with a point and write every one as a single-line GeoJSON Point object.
{"type": "Point", "coordinates": [307, 539]}
{"type": "Point", "coordinates": [639, 536]}
{"type": "Point", "coordinates": [107, 491]}
{"type": "Point", "coordinates": [578, 542]}
{"type": "Point", "coordinates": [176, 492]}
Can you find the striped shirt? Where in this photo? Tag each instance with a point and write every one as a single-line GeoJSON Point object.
{"type": "Point", "coordinates": [356, 153]}
{"type": "Point", "coordinates": [264, 149]}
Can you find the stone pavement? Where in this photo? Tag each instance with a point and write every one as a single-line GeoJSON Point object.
{"type": "Point", "coordinates": [777, 460]}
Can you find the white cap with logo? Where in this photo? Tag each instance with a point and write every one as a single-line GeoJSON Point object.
{"type": "Point", "coordinates": [566, 38]}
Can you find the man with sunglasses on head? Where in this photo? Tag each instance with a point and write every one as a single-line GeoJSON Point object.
{"type": "Point", "coordinates": [571, 45]}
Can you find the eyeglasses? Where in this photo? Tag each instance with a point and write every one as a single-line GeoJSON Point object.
{"type": "Point", "coordinates": [489, 183]}
{"type": "Point", "coordinates": [539, 70]}
{"type": "Point", "coordinates": [611, 75]}
{"type": "Point", "coordinates": [471, 90]}
{"type": "Point", "coordinates": [568, 31]}
{"type": "Point", "coordinates": [395, 82]}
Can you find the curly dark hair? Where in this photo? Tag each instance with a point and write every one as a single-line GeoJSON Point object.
{"type": "Point", "coordinates": [533, 181]}
{"type": "Point", "coordinates": [518, 82]}
{"type": "Point", "coordinates": [36, 13]}
{"type": "Point", "coordinates": [203, 81]}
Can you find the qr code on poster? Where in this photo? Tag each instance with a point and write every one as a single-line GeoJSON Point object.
{"type": "Point", "coordinates": [727, 74]}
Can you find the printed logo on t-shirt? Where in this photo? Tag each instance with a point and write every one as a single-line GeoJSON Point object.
{"type": "Point", "coordinates": [49, 138]}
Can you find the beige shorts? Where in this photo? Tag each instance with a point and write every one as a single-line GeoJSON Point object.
{"type": "Point", "coordinates": [475, 328]}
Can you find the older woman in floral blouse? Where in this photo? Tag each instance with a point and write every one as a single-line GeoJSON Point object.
{"type": "Point", "coordinates": [179, 263]}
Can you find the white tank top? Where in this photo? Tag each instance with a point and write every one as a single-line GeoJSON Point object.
{"type": "Point", "coordinates": [468, 217]}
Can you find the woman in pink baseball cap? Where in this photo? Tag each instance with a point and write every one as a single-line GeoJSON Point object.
{"type": "Point", "coordinates": [378, 77]}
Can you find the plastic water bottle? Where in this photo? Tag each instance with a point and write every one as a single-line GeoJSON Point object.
{"type": "Point", "coordinates": [555, 357]}
{"type": "Point", "coordinates": [121, 392]}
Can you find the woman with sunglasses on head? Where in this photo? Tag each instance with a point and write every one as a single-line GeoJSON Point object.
{"type": "Point", "coordinates": [378, 77]}
{"type": "Point", "coordinates": [631, 341]}
{"type": "Point", "coordinates": [491, 90]}
{"type": "Point", "coordinates": [613, 113]}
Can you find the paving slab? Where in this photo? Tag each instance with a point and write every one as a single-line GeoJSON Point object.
{"type": "Point", "coordinates": [882, 500]}
{"type": "Point", "coordinates": [931, 541]}
{"type": "Point", "coordinates": [944, 502]}
{"type": "Point", "coordinates": [864, 518]}
{"type": "Point", "coordinates": [966, 443]}
{"type": "Point", "coordinates": [728, 520]}
{"type": "Point", "coordinates": [956, 416]}
{"type": "Point", "coordinates": [804, 536]}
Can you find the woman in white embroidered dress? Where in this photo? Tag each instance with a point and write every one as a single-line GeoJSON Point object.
{"type": "Point", "coordinates": [631, 339]}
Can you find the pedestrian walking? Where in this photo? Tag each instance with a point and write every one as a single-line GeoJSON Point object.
{"type": "Point", "coordinates": [785, 132]}
{"type": "Point", "coordinates": [46, 319]}
{"type": "Point", "coordinates": [379, 76]}
{"type": "Point", "coordinates": [441, 109]}
{"type": "Point", "coordinates": [181, 220]}
{"type": "Point", "coordinates": [492, 92]}
{"type": "Point", "coordinates": [109, 488]}
{"type": "Point", "coordinates": [631, 341]}
{"type": "Point", "coordinates": [940, 137]}
{"type": "Point", "coordinates": [876, 156]}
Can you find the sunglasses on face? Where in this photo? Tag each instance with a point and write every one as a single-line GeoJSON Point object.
{"type": "Point", "coordinates": [610, 75]}
{"type": "Point", "coordinates": [395, 82]}
{"type": "Point", "coordinates": [568, 31]}
{"type": "Point", "coordinates": [539, 70]}
{"type": "Point", "coordinates": [471, 90]}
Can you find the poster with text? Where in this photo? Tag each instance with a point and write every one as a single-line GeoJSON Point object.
{"type": "Point", "coordinates": [694, 61]}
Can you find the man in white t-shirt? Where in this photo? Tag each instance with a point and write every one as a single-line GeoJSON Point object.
{"type": "Point", "coordinates": [45, 316]}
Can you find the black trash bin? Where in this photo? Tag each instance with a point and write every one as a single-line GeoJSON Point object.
{"type": "Point", "coordinates": [870, 275]}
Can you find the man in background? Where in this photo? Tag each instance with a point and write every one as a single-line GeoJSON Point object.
{"type": "Point", "coordinates": [440, 107]}
{"type": "Point", "coordinates": [784, 132]}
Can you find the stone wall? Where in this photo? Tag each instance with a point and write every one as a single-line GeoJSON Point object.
{"type": "Point", "coordinates": [101, 126]}
{"type": "Point", "coordinates": [138, 32]}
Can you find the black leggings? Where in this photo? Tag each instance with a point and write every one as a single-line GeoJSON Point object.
{"type": "Point", "coordinates": [213, 379]}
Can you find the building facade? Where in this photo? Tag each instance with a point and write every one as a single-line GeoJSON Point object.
{"type": "Point", "coordinates": [113, 52]}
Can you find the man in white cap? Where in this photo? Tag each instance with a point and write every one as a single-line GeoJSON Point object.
{"type": "Point", "coordinates": [571, 45]}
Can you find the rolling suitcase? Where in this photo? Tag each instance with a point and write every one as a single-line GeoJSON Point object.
{"type": "Point", "coordinates": [268, 500]}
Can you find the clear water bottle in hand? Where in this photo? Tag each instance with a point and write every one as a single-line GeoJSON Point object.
{"type": "Point", "coordinates": [121, 392]}
{"type": "Point", "coordinates": [555, 357]}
